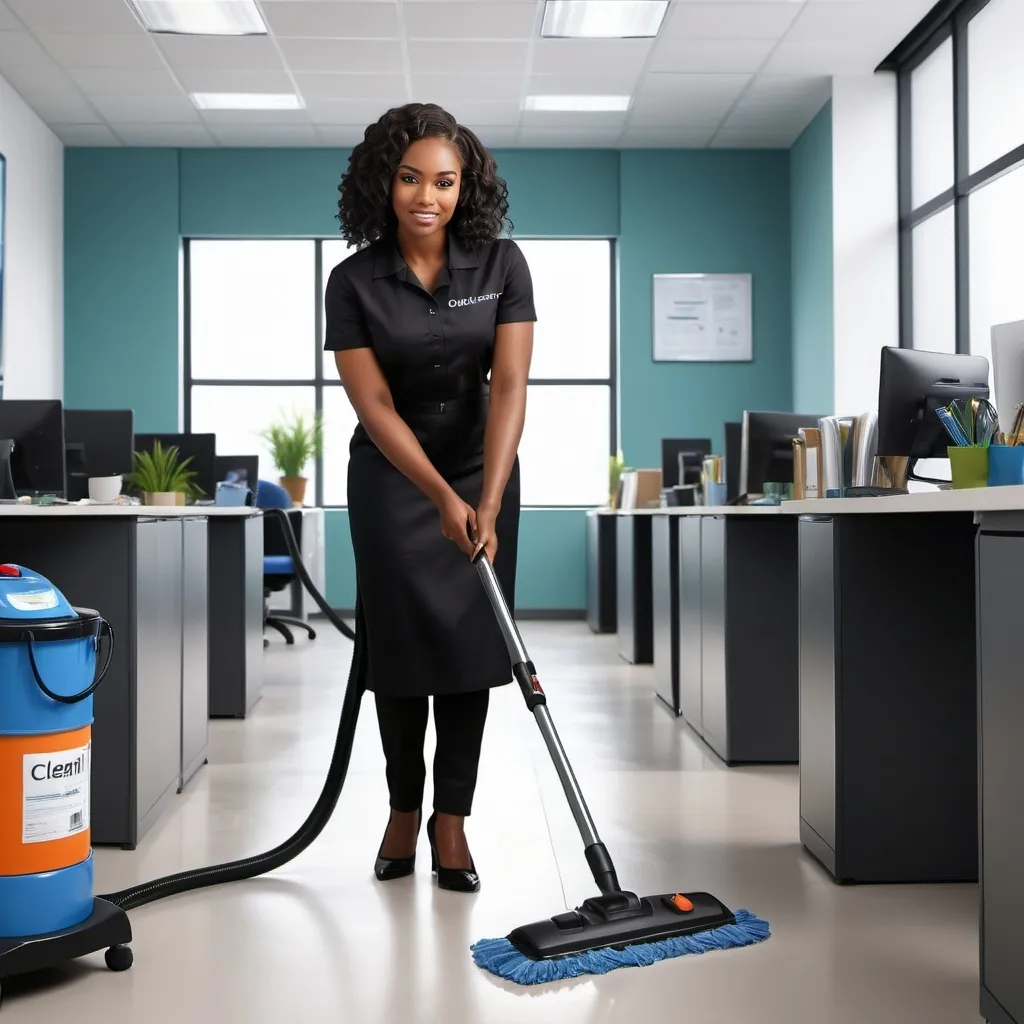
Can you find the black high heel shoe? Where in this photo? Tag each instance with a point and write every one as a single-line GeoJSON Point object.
{"type": "Point", "coordinates": [456, 879]}
{"type": "Point", "coordinates": [387, 868]}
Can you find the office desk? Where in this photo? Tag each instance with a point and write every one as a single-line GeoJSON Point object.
{"type": "Point", "coordinates": [633, 586]}
{"type": "Point", "coordinates": [145, 569]}
{"type": "Point", "coordinates": [915, 764]}
{"type": "Point", "coordinates": [602, 614]}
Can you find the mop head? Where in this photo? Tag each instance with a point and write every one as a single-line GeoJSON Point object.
{"type": "Point", "coordinates": [500, 957]}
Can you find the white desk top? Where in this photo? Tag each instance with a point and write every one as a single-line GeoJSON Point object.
{"type": "Point", "coordinates": [977, 499]}
{"type": "Point", "coordinates": [128, 511]}
{"type": "Point", "coordinates": [693, 510]}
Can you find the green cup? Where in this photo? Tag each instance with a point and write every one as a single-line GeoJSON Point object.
{"type": "Point", "coordinates": [968, 467]}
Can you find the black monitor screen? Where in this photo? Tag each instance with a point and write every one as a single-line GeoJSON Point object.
{"type": "Point", "coordinates": [912, 386]}
{"type": "Point", "coordinates": [201, 448]}
{"type": "Point", "coordinates": [689, 450]}
{"type": "Point", "coordinates": [99, 442]}
{"type": "Point", "coordinates": [37, 458]}
{"type": "Point", "coordinates": [733, 457]}
{"type": "Point", "coordinates": [767, 448]}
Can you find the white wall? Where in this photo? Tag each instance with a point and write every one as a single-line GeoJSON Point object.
{"type": "Point", "coordinates": [865, 219]}
{"type": "Point", "coordinates": [33, 322]}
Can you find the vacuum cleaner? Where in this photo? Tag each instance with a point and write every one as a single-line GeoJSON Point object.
{"type": "Point", "coordinates": [614, 920]}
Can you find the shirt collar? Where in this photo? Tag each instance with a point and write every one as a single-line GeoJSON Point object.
{"type": "Point", "coordinates": [388, 260]}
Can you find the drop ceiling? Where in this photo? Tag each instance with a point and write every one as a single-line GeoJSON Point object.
{"type": "Point", "coordinates": [720, 74]}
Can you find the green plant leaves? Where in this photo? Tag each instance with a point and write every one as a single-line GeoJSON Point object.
{"type": "Point", "coordinates": [294, 441]}
{"type": "Point", "coordinates": [162, 470]}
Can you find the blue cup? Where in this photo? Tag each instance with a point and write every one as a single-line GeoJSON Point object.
{"type": "Point", "coordinates": [1005, 465]}
{"type": "Point", "coordinates": [715, 495]}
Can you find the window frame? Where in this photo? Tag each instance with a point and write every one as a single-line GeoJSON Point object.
{"type": "Point", "coordinates": [947, 20]}
{"type": "Point", "coordinates": [319, 381]}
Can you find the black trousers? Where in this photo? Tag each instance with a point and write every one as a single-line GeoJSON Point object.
{"type": "Point", "coordinates": [459, 724]}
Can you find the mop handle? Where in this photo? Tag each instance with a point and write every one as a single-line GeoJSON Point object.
{"type": "Point", "coordinates": [525, 674]}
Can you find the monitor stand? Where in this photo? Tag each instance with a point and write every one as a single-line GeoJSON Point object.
{"type": "Point", "coordinates": [7, 491]}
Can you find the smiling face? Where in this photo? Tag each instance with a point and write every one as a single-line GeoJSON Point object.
{"type": "Point", "coordinates": [425, 189]}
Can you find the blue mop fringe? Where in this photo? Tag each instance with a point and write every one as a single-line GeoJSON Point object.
{"type": "Point", "coordinates": [500, 957]}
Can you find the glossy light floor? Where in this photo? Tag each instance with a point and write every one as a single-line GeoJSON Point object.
{"type": "Point", "coordinates": [322, 941]}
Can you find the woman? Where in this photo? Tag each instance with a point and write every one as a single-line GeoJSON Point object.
{"type": "Point", "coordinates": [431, 322]}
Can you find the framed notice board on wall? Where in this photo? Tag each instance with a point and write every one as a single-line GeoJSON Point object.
{"type": "Point", "coordinates": [702, 318]}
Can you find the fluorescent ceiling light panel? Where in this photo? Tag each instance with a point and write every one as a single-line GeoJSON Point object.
{"type": "Point", "coordinates": [200, 17]}
{"type": "Point", "coordinates": [588, 104]}
{"type": "Point", "coordinates": [603, 19]}
{"type": "Point", "coordinates": [246, 101]}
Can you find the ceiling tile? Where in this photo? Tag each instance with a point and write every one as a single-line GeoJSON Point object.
{"type": "Point", "coordinates": [730, 20]}
{"type": "Point", "coordinates": [20, 50]}
{"type": "Point", "coordinates": [83, 16]}
{"type": "Point", "coordinates": [573, 119]}
{"type": "Point", "coordinates": [790, 88]}
{"type": "Point", "coordinates": [561, 138]}
{"type": "Point", "coordinates": [165, 135]}
{"type": "Point", "coordinates": [319, 19]}
{"type": "Point", "coordinates": [590, 56]}
{"type": "Point", "coordinates": [219, 117]}
{"type": "Point", "coordinates": [711, 55]}
{"type": "Point", "coordinates": [215, 80]}
{"type": "Point", "coordinates": [693, 87]}
{"type": "Point", "coordinates": [465, 58]}
{"type": "Point", "coordinates": [477, 21]}
{"type": "Point", "coordinates": [137, 84]}
{"type": "Point", "coordinates": [450, 90]}
{"type": "Point", "coordinates": [126, 51]}
{"type": "Point", "coordinates": [266, 135]}
{"type": "Point", "coordinates": [63, 108]}
{"type": "Point", "coordinates": [497, 136]}
{"type": "Point", "coordinates": [768, 118]}
{"type": "Point", "coordinates": [379, 56]}
{"type": "Point", "coordinates": [85, 135]}
{"type": "Point", "coordinates": [129, 108]}
{"type": "Point", "coordinates": [385, 88]}
{"type": "Point", "coordinates": [8, 20]}
{"type": "Point", "coordinates": [582, 85]}
{"type": "Point", "coordinates": [238, 53]}
{"type": "Point", "coordinates": [341, 135]}
{"type": "Point", "coordinates": [496, 115]}
{"type": "Point", "coordinates": [878, 21]}
{"type": "Point", "coordinates": [342, 112]}
{"type": "Point", "coordinates": [825, 58]}
{"type": "Point", "coordinates": [667, 138]}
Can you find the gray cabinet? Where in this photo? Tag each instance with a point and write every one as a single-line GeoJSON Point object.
{"type": "Point", "coordinates": [1001, 733]}
{"type": "Point", "coordinates": [195, 649]}
{"type": "Point", "coordinates": [601, 596]}
{"type": "Point", "coordinates": [888, 744]}
{"type": "Point", "coordinates": [634, 588]}
{"type": "Point", "coordinates": [665, 596]}
{"type": "Point", "coordinates": [690, 622]}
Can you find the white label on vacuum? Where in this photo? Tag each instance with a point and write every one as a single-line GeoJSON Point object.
{"type": "Point", "coordinates": [55, 794]}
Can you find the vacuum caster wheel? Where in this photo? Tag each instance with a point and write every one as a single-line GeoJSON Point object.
{"type": "Point", "coordinates": [119, 958]}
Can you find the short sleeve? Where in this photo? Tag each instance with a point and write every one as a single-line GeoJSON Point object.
{"type": "Point", "coordinates": [345, 323]}
{"type": "Point", "coordinates": [516, 302]}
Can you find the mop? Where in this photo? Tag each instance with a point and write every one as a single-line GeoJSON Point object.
{"type": "Point", "coordinates": [616, 928]}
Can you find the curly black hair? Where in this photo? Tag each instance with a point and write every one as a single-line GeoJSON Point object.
{"type": "Point", "coordinates": [364, 208]}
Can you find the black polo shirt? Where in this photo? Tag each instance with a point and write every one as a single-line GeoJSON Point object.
{"type": "Point", "coordinates": [433, 346]}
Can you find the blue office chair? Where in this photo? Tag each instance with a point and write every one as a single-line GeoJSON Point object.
{"type": "Point", "coordinates": [278, 568]}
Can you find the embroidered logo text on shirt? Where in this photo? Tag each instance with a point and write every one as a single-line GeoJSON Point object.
{"type": "Point", "coordinates": [452, 303]}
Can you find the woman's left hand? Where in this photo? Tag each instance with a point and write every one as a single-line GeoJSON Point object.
{"type": "Point", "coordinates": [486, 531]}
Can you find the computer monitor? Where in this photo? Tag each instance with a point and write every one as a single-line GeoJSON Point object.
{"type": "Point", "coordinates": [37, 459]}
{"type": "Point", "coordinates": [733, 457]}
{"type": "Point", "coordinates": [245, 467]}
{"type": "Point", "coordinates": [912, 385]}
{"type": "Point", "coordinates": [7, 491]}
{"type": "Point", "coordinates": [200, 448]}
{"type": "Point", "coordinates": [766, 448]}
{"type": "Point", "coordinates": [1008, 369]}
{"type": "Point", "coordinates": [97, 442]}
{"type": "Point", "coordinates": [681, 460]}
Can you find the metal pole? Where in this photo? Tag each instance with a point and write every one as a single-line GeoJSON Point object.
{"type": "Point", "coordinates": [541, 714]}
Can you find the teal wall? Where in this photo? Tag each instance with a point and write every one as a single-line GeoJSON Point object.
{"type": "Point", "coordinates": [811, 206]}
{"type": "Point", "coordinates": [704, 211]}
{"type": "Point", "coordinates": [672, 211]}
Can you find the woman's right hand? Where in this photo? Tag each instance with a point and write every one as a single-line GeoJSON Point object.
{"type": "Point", "coordinates": [458, 523]}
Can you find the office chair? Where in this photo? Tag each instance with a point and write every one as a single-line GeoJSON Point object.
{"type": "Point", "coordinates": [278, 568]}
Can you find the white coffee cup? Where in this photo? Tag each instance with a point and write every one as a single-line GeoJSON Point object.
{"type": "Point", "coordinates": [104, 489]}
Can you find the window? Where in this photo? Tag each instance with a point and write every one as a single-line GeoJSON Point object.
{"type": "Point", "coordinates": [961, 125]}
{"type": "Point", "coordinates": [254, 350]}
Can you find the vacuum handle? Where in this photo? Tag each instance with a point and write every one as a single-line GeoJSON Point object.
{"type": "Point", "coordinates": [105, 629]}
{"type": "Point", "coordinates": [509, 629]}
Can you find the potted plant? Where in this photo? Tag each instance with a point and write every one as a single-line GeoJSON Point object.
{"type": "Point", "coordinates": [616, 467]}
{"type": "Point", "coordinates": [162, 477]}
{"type": "Point", "coordinates": [293, 442]}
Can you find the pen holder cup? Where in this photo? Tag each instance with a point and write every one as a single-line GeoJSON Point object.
{"type": "Point", "coordinates": [715, 495]}
{"type": "Point", "coordinates": [968, 467]}
{"type": "Point", "coordinates": [1005, 465]}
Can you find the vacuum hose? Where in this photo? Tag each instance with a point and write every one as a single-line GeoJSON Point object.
{"type": "Point", "coordinates": [250, 867]}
